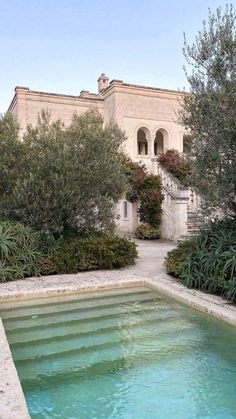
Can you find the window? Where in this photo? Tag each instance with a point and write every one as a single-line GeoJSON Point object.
{"type": "Point", "coordinates": [159, 143]}
{"type": "Point", "coordinates": [142, 142]}
{"type": "Point", "coordinates": [125, 209]}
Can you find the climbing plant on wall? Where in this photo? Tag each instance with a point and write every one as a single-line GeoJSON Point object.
{"type": "Point", "coordinates": [177, 164]}
{"type": "Point", "coordinates": [146, 189]}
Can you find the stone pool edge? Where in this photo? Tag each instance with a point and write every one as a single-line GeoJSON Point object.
{"type": "Point", "coordinates": [13, 404]}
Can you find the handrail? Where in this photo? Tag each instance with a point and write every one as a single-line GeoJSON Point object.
{"type": "Point", "coordinates": [164, 172]}
{"type": "Point", "coordinates": [176, 189]}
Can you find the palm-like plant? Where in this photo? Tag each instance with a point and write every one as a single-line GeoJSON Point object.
{"type": "Point", "coordinates": [20, 253]}
{"type": "Point", "coordinates": [211, 264]}
{"type": "Point", "coordinates": [7, 244]}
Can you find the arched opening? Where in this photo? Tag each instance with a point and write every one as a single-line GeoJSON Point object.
{"type": "Point", "coordinates": [187, 144]}
{"type": "Point", "coordinates": [142, 142]}
{"type": "Point", "coordinates": [159, 143]}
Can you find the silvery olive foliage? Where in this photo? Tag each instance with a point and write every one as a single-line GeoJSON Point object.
{"type": "Point", "coordinates": [209, 111]}
{"type": "Point", "coordinates": [57, 177]}
{"type": "Point", "coordinates": [11, 150]}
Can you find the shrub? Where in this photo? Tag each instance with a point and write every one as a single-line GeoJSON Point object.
{"type": "Point", "coordinates": [212, 264]}
{"type": "Point", "coordinates": [58, 176]}
{"type": "Point", "coordinates": [209, 263]}
{"type": "Point", "coordinates": [177, 256]}
{"type": "Point", "coordinates": [150, 198]}
{"type": "Point", "coordinates": [20, 252]}
{"type": "Point", "coordinates": [71, 255]}
{"type": "Point", "coordinates": [25, 253]}
{"type": "Point", "coordinates": [145, 188]}
{"type": "Point", "coordinates": [145, 231]}
{"type": "Point", "coordinates": [177, 164]}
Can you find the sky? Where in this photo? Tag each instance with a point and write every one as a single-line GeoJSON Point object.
{"type": "Point", "coordinates": [62, 46]}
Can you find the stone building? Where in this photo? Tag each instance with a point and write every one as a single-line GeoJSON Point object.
{"type": "Point", "coordinates": [148, 115]}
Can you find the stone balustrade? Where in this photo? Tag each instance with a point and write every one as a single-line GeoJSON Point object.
{"type": "Point", "coordinates": [195, 200]}
{"type": "Point", "coordinates": [179, 200]}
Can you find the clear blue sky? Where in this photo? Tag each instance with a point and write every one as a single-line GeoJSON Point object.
{"type": "Point", "coordinates": [62, 46]}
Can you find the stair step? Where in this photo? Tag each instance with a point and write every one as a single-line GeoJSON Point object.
{"type": "Point", "coordinates": [58, 319]}
{"type": "Point", "coordinates": [52, 305]}
{"type": "Point", "coordinates": [79, 343]}
{"type": "Point", "coordinates": [25, 313]}
{"type": "Point", "coordinates": [194, 224]}
{"type": "Point", "coordinates": [30, 336]}
{"type": "Point", "coordinates": [104, 367]}
{"type": "Point", "coordinates": [124, 350]}
{"type": "Point", "coordinates": [184, 238]}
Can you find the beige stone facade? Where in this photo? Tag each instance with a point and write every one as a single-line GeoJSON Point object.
{"type": "Point", "coordinates": [149, 117]}
{"type": "Point", "coordinates": [145, 112]}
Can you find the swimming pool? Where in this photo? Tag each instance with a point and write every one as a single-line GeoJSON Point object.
{"type": "Point", "coordinates": [121, 354]}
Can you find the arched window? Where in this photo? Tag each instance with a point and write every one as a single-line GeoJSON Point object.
{"type": "Point", "coordinates": [159, 143]}
{"type": "Point", "coordinates": [142, 142]}
{"type": "Point", "coordinates": [187, 142]}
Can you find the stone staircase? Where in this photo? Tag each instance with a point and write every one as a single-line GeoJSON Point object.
{"type": "Point", "coordinates": [194, 223]}
{"type": "Point", "coordinates": [181, 217]}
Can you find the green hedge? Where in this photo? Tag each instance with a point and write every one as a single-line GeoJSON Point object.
{"type": "Point", "coordinates": [175, 258]}
{"type": "Point", "coordinates": [147, 232]}
{"type": "Point", "coordinates": [85, 254]}
{"type": "Point", "coordinates": [209, 262]}
{"type": "Point", "coordinates": [25, 253]}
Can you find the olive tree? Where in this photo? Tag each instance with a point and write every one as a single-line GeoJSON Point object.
{"type": "Point", "coordinates": [209, 111]}
{"type": "Point", "coordinates": [69, 176]}
{"type": "Point", "coordinates": [11, 151]}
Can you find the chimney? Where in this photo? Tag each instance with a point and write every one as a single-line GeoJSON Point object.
{"type": "Point", "coordinates": [102, 82]}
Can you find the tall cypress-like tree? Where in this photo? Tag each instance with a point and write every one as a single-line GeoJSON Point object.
{"type": "Point", "coordinates": [209, 111]}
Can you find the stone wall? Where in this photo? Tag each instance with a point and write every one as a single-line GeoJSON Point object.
{"type": "Point", "coordinates": [27, 105]}
{"type": "Point", "coordinates": [132, 107]}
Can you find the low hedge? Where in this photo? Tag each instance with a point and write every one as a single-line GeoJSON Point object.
{"type": "Point", "coordinates": [176, 257]}
{"type": "Point", "coordinates": [25, 253]}
{"type": "Point", "coordinates": [92, 253]}
{"type": "Point", "coordinates": [147, 232]}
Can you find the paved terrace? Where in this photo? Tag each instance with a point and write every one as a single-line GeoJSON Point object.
{"type": "Point", "coordinates": [148, 271]}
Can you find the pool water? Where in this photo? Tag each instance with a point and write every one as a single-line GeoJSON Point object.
{"type": "Point", "coordinates": [121, 354]}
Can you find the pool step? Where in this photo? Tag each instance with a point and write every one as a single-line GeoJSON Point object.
{"type": "Point", "coordinates": [55, 347]}
{"type": "Point", "coordinates": [75, 323]}
{"type": "Point", "coordinates": [88, 324]}
{"type": "Point", "coordinates": [74, 296]}
{"type": "Point", "coordinates": [124, 350]}
{"type": "Point", "coordinates": [94, 336]}
{"type": "Point", "coordinates": [37, 321]}
{"type": "Point", "coordinates": [76, 304]}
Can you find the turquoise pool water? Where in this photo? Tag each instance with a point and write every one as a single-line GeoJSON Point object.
{"type": "Point", "coordinates": [129, 354]}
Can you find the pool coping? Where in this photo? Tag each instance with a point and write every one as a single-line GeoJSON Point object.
{"type": "Point", "coordinates": [13, 404]}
